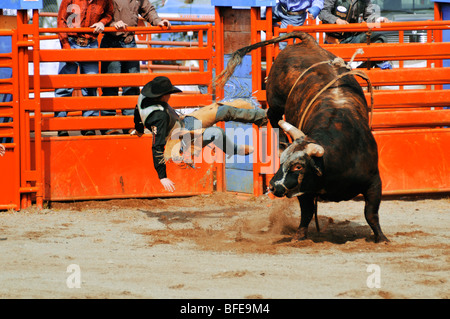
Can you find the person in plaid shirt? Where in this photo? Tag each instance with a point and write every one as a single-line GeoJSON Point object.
{"type": "Point", "coordinates": [81, 14]}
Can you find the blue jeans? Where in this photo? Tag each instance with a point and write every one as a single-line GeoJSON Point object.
{"type": "Point", "coordinates": [375, 37]}
{"type": "Point", "coordinates": [72, 68]}
{"type": "Point", "coordinates": [112, 41]}
{"type": "Point", "coordinates": [212, 134]}
{"type": "Point", "coordinates": [279, 16]}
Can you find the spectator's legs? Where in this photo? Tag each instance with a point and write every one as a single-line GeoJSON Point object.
{"type": "Point", "coordinates": [110, 67]}
{"type": "Point", "coordinates": [107, 67]}
{"type": "Point", "coordinates": [89, 68]}
{"type": "Point", "coordinates": [130, 67]}
{"type": "Point", "coordinates": [118, 67]}
{"type": "Point", "coordinates": [65, 68]}
{"type": "Point", "coordinates": [375, 37]}
{"type": "Point", "coordinates": [286, 19]}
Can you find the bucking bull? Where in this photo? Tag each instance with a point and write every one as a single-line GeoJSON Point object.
{"type": "Point", "coordinates": [333, 154]}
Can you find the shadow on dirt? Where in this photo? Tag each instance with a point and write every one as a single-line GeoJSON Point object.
{"type": "Point", "coordinates": [244, 225]}
{"type": "Point", "coordinates": [171, 216]}
{"type": "Point", "coordinates": [335, 232]}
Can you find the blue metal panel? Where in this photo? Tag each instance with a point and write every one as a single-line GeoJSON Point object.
{"type": "Point", "coordinates": [239, 169]}
{"type": "Point", "coordinates": [238, 87]}
{"type": "Point", "coordinates": [196, 9]}
{"type": "Point", "coordinates": [21, 4]}
{"type": "Point", "coordinates": [240, 84]}
{"type": "Point", "coordinates": [244, 70]}
{"type": "Point", "coordinates": [241, 134]}
{"type": "Point", "coordinates": [5, 47]}
{"type": "Point", "coordinates": [5, 73]}
{"type": "Point", "coordinates": [239, 181]}
{"type": "Point", "coordinates": [445, 8]}
{"type": "Point", "coordinates": [243, 3]}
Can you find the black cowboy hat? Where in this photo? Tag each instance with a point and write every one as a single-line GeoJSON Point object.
{"type": "Point", "coordinates": [159, 86]}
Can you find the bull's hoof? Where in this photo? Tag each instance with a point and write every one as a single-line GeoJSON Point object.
{"type": "Point", "coordinates": [381, 239]}
{"type": "Point", "coordinates": [298, 239]}
{"type": "Point", "coordinates": [299, 236]}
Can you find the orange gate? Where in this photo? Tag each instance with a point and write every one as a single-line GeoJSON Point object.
{"type": "Point", "coordinates": [21, 172]}
{"type": "Point", "coordinates": [39, 165]}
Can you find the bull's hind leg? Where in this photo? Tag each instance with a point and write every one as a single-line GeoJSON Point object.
{"type": "Point", "coordinates": [307, 208]}
{"type": "Point", "coordinates": [372, 204]}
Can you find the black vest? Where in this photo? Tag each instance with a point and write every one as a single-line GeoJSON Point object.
{"type": "Point", "coordinates": [146, 110]}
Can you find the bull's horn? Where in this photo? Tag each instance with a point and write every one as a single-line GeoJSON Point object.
{"type": "Point", "coordinates": [314, 150]}
{"type": "Point", "coordinates": [294, 132]}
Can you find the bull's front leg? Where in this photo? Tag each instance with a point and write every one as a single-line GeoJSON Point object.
{"type": "Point", "coordinates": [307, 207]}
{"type": "Point", "coordinates": [275, 114]}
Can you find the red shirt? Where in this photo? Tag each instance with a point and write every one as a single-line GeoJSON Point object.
{"type": "Point", "coordinates": [82, 14]}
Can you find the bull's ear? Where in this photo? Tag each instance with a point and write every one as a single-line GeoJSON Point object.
{"type": "Point", "coordinates": [316, 168]}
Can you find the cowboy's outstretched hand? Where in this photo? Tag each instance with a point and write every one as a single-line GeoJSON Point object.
{"type": "Point", "coordinates": [168, 184]}
{"type": "Point", "coordinates": [2, 150]}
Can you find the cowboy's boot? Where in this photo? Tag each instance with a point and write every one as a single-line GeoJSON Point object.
{"type": "Point", "coordinates": [229, 113]}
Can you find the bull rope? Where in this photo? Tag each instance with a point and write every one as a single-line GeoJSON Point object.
{"type": "Point", "coordinates": [339, 62]}
{"type": "Point", "coordinates": [355, 72]}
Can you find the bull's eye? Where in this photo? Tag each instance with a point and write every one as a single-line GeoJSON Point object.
{"type": "Point", "coordinates": [296, 168]}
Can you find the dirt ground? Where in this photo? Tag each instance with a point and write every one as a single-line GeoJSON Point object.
{"type": "Point", "coordinates": [224, 246]}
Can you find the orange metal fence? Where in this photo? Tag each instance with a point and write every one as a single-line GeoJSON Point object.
{"type": "Point", "coordinates": [41, 166]}
{"type": "Point", "coordinates": [10, 130]}
{"type": "Point", "coordinates": [411, 125]}
{"type": "Point", "coordinates": [21, 175]}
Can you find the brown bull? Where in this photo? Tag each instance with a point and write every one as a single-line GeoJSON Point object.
{"type": "Point", "coordinates": [334, 155]}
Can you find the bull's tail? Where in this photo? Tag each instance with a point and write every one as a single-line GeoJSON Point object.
{"type": "Point", "coordinates": [237, 56]}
